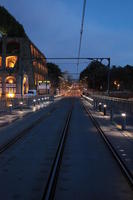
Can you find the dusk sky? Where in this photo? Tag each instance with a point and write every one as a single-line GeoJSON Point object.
{"type": "Point", "coordinates": [54, 26]}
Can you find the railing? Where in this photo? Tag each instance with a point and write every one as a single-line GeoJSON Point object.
{"type": "Point", "coordinates": [6, 104]}
{"type": "Point", "coordinates": [120, 111]}
{"type": "Point", "coordinates": [117, 103]}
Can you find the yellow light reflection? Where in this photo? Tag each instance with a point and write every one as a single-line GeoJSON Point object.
{"type": "Point", "coordinates": [10, 95]}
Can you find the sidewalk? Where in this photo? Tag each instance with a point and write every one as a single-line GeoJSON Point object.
{"type": "Point", "coordinates": [122, 141]}
{"type": "Point", "coordinates": [9, 117]}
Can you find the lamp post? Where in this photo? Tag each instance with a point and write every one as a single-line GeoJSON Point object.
{"type": "Point", "coordinates": [104, 109]}
{"type": "Point", "coordinates": [123, 115]}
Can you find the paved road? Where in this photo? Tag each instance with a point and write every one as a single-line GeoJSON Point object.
{"type": "Point", "coordinates": [88, 170]}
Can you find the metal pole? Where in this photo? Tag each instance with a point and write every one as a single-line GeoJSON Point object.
{"type": "Point", "coordinates": [108, 87]}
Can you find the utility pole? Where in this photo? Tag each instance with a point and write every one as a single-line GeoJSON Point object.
{"type": "Point", "coordinates": [108, 86]}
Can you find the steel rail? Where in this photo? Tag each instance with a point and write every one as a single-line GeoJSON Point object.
{"type": "Point", "coordinates": [120, 162]}
{"type": "Point", "coordinates": [24, 132]}
{"type": "Point", "coordinates": [49, 190]}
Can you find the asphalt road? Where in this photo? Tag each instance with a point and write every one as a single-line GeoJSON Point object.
{"type": "Point", "coordinates": [88, 170]}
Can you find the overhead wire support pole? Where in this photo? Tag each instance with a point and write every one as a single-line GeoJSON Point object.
{"type": "Point", "coordinates": [108, 88]}
{"type": "Point", "coordinates": [81, 33]}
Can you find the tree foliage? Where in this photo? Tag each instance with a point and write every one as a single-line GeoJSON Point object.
{"type": "Point", "coordinates": [9, 26]}
{"type": "Point", "coordinates": [96, 75]}
{"type": "Point", "coordinates": [54, 74]}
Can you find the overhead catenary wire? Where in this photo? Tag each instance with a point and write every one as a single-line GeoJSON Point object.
{"type": "Point", "coordinates": [81, 32]}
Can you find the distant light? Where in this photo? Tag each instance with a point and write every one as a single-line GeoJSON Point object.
{"type": "Point", "coordinates": [123, 114]}
{"type": "Point", "coordinates": [34, 100]}
{"type": "Point", "coordinates": [10, 95]}
{"type": "Point", "coordinates": [105, 106]}
{"type": "Point", "coordinates": [100, 103]}
{"type": "Point", "coordinates": [88, 98]}
{"type": "Point", "coordinates": [21, 103]}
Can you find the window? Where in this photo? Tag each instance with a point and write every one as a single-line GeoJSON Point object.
{"type": "Point", "coordinates": [11, 61]}
{"type": "Point", "coordinates": [10, 87]}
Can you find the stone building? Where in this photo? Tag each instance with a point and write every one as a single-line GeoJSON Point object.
{"type": "Point", "coordinates": [22, 66]}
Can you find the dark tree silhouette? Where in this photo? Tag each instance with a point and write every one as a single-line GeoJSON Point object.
{"type": "Point", "coordinates": [54, 73]}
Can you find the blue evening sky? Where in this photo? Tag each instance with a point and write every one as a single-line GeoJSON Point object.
{"type": "Point", "coordinates": [54, 26]}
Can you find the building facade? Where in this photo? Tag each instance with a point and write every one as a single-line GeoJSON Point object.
{"type": "Point", "coordinates": [22, 66]}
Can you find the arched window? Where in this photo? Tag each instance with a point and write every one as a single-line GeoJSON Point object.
{"type": "Point", "coordinates": [10, 87]}
{"type": "Point", "coordinates": [11, 61]}
{"type": "Point", "coordinates": [25, 84]}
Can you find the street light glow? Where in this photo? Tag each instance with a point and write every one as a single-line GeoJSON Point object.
{"type": "Point", "coordinates": [123, 114]}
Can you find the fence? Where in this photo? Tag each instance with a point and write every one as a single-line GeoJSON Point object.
{"type": "Point", "coordinates": [118, 104]}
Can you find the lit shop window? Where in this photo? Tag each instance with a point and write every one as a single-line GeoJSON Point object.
{"type": "Point", "coordinates": [10, 87]}
{"type": "Point", "coordinates": [0, 61]}
{"type": "Point", "coordinates": [11, 61]}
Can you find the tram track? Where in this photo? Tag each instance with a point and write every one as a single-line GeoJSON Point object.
{"type": "Point", "coordinates": [116, 156]}
{"type": "Point", "coordinates": [49, 190]}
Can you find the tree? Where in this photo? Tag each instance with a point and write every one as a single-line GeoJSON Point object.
{"type": "Point", "coordinates": [54, 74]}
{"type": "Point", "coordinates": [96, 74]}
{"type": "Point", "coordinates": [121, 78]}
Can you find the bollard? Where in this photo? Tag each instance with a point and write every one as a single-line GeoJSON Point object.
{"type": "Point", "coordinates": [39, 105]}
{"type": "Point", "coordinates": [10, 108]}
{"type": "Point", "coordinates": [21, 105]}
{"type": "Point", "coordinates": [123, 115]}
{"type": "Point", "coordinates": [111, 114]}
{"type": "Point", "coordinates": [100, 107]}
{"type": "Point", "coordinates": [104, 109]}
{"type": "Point", "coordinates": [34, 102]}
